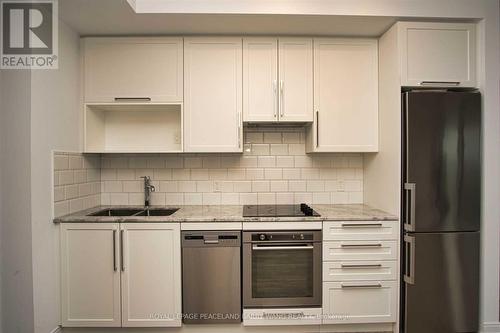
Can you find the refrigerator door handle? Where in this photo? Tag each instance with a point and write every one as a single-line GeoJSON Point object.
{"type": "Point", "coordinates": [410, 194]}
{"type": "Point", "coordinates": [409, 265]}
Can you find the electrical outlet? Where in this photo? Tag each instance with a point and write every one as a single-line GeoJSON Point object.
{"type": "Point", "coordinates": [177, 138]}
{"type": "Point", "coordinates": [340, 186]}
{"type": "Point", "coordinates": [216, 186]}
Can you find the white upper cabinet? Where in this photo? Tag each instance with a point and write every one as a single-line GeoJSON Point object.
{"type": "Point", "coordinates": [277, 79]}
{"type": "Point", "coordinates": [260, 79]}
{"type": "Point", "coordinates": [213, 94]}
{"type": "Point", "coordinates": [151, 275]}
{"type": "Point", "coordinates": [133, 69]}
{"type": "Point", "coordinates": [345, 96]}
{"type": "Point", "coordinates": [295, 79]}
{"type": "Point", "coordinates": [90, 275]}
{"type": "Point", "coordinates": [437, 54]}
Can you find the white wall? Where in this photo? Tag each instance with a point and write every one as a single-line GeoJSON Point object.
{"type": "Point", "coordinates": [15, 251]}
{"type": "Point", "coordinates": [55, 124]}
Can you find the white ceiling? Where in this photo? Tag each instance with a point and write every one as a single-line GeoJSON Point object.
{"type": "Point", "coordinates": [116, 17]}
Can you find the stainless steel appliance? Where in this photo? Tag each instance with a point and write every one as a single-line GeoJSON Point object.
{"type": "Point", "coordinates": [281, 269]}
{"type": "Point", "coordinates": [278, 210]}
{"type": "Point", "coordinates": [211, 277]}
{"type": "Point", "coordinates": [441, 211]}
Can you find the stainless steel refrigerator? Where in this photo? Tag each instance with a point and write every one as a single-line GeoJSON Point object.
{"type": "Point", "coordinates": [441, 211]}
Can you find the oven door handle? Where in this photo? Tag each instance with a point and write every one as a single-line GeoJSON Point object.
{"type": "Point", "coordinates": [281, 247]}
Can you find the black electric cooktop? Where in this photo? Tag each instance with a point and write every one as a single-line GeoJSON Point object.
{"type": "Point", "coordinates": [278, 211]}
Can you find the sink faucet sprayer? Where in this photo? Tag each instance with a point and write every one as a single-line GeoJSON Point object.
{"type": "Point", "coordinates": [148, 188]}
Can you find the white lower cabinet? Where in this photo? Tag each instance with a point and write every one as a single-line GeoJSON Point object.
{"type": "Point", "coordinates": [360, 272]}
{"type": "Point", "coordinates": [359, 302]}
{"type": "Point", "coordinates": [151, 275]}
{"type": "Point", "coordinates": [137, 263]}
{"type": "Point", "coordinates": [90, 277]}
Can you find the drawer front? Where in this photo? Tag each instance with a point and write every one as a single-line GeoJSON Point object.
{"type": "Point", "coordinates": [361, 230]}
{"type": "Point", "coordinates": [360, 250]}
{"type": "Point", "coordinates": [359, 302]}
{"type": "Point", "coordinates": [360, 271]}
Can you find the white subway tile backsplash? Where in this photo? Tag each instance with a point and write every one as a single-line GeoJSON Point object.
{"type": "Point", "coordinates": [187, 186]}
{"type": "Point", "coordinates": [284, 161]}
{"type": "Point", "coordinates": [297, 185]}
{"type": "Point", "coordinates": [273, 173]}
{"type": "Point", "coordinates": [254, 137]}
{"type": "Point", "coordinates": [174, 199]}
{"type": "Point", "coordinates": [248, 198]}
{"type": "Point", "coordinates": [162, 174]}
{"type": "Point", "coordinates": [284, 198]}
{"type": "Point", "coordinates": [279, 149]}
{"type": "Point", "coordinates": [266, 198]}
{"type": "Point", "coordinates": [266, 161]}
{"type": "Point", "coordinates": [260, 186]}
{"type": "Point", "coordinates": [230, 198]}
{"type": "Point", "coordinates": [272, 137]}
{"type": "Point", "coordinates": [211, 198]}
{"type": "Point", "coordinates": [279, 186]}
{"type": "Point", "coordinates": [193, 199]}
{"type": "Point", "coordinates": [253, 174]}
{"type": "Point", "coordinates": [274, 168]}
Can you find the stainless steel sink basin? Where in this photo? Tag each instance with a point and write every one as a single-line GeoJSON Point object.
{"type": "Point", "coordinates": [135, 212]}
{"type": "Point", "coordinates": [116, 212]}
{"type": "Point", "coordinates": [158, 212]}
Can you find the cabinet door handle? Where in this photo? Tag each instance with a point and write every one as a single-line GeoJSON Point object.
{"type": "Point", "coordinates": [442, 83]}
{"type": "Point", "coordinates": [317, 129]}
{"type": "Point", "coordinates": [276, 103]}
{"type": "Point", "coordinates": [239, 129]}
{"type": "Point", "coordinates": [122, 262]}
{"type": "Point", "coordinates": [114, 251]}
{"type": "Point", "coordinates": [282, 113]}
{"type": "Point", "coordinates": [361, 286]}
{"type": "Point", "coordinates": [133, 99]}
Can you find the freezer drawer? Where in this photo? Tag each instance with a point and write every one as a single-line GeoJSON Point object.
{"type": "Point", "coordinates": [360, 271]}
{"type": "Point", "coordinates": [360, 230]}
{"type": "Point", "coordinates": [442, 282]}
{"type": "Point", "coordinates": [359, 302]}
{"type": "Point", "coordinates": [360, 250]}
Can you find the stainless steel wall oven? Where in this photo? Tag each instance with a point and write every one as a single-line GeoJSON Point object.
{"type": "Point", "coordinates": [282, 269]}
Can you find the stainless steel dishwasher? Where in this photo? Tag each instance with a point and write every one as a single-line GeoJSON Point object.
{"type": "Point", "coordinates": [211, 277]}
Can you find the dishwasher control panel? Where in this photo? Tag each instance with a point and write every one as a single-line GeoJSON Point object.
{"type": "Point", "coordinates": [207, 238]}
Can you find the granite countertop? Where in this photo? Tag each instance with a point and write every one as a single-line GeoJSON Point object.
{"type": "Point", "coordinates": [227, 213]}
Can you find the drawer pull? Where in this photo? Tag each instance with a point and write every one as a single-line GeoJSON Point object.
{"type": "Point", "coordinates": [361, 286]}
{"type": "Point", "coordinates": [360, 245]}
{"type": "Point", "coordinates": [361, 225]}
{"type": "Point", "coordinates": [361, 266]}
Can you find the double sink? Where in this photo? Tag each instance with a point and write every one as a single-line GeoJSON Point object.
{"type": "Point", "coordinates": [135, 212]}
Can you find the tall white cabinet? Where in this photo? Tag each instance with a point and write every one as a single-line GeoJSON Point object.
{"type": "Point", "coordinates": [126, 275]}
{"type": "Point", "coordinates": [213, 94]}
{"type": "Point", "coordinates": [345, 96]}
{"type": "Point", "coordinates": [277, 79]}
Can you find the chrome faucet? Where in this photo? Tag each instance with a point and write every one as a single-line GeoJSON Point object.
{"type": "Point", "coordinates": [148, 188]}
